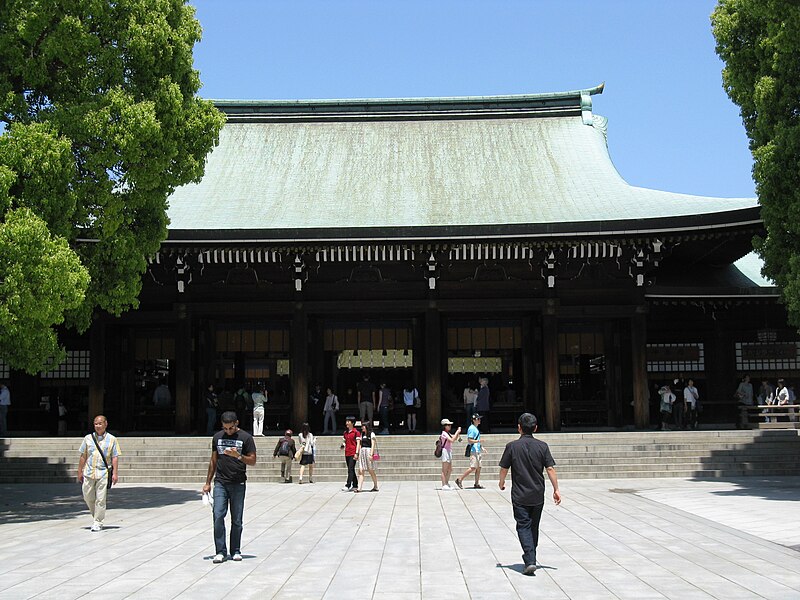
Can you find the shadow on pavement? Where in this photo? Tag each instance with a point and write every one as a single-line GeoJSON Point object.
{"type": "Point", "coordinates": [518, 567]}
{"type": "Point", "coordinates": [774, 488]}
{"type": "Point", "coordinates": [43, 502]}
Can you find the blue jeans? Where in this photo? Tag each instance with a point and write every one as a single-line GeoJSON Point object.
{"type": "Point", "coordinates": [527, 518]}
{"type": "Point", "coordinates": [225, 493]}
{"type": "Point", "coordinates": [211, 415]}
{"type": "Point", "coordinates": [385, 417]}
{"type": "Point", "coordinates": [470, 410]}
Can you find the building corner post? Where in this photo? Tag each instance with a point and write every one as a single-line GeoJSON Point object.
{"type": "Point", "coordinates": [641, 400]}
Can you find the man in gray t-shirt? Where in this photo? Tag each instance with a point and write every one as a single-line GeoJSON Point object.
{"type": "Point", "coordinates": [528, 458]}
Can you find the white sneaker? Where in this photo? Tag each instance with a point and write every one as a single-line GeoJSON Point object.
{"type": "Point", "coordinates": [97, 527]}
{"type": "Point", "coordinates": [446, 488]}
{"type": "Point", "coordinates": [345, 489]}
{"type": "Point", "coordinates": [219, 558]}
{"type": "Point", "coordinates": [237, 556]}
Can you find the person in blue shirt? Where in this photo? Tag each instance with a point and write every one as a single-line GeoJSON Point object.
{"type": "Point", "coordinates": [475, 453]}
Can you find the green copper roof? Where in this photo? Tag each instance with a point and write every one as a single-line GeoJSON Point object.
{"type": "Point", "coordinates": [502, 160]}
{"type": "Point", "coordinates": [751, 266]}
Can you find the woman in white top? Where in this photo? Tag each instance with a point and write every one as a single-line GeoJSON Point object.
{"type": "Point", "coordinates": [259, 398]}
{"type": "Point", "coordinates": [366, 449]}
{"type": "Point", "coordinates": [329, 410]}
{"type": "Point", "coordinates": [411, 399]}
{"type": "Point", "coordinates": [309, 446]}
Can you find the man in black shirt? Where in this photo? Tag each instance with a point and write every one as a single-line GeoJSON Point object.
{"type": "Point", "coordinates": [528, 458]}
{"type": "Point", "coordinates": [231, 451]}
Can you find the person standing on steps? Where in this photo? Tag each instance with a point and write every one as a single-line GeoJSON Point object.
{"type": "Point", "coordinates": [329, 409]}
{"type": "Point", "coordinates": [384, 407]}
{"type": "Point", "coordinates": [528, 458]}
{"type": "Point", "coordinates": [259, 399]}
{"type": "Point", "coordinates": [212, 404]}
{"type": "Point", "coordinates": [483, 403]}
{"type": "Point", "coordinates": [366, 400]}
{"type": "Point", "coordinates": [232, 450]}
{"type": "Point", "coordinates": [411, 400]}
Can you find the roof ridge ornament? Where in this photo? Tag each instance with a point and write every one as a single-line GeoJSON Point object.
{"type": "Point", "coordinates": [586, 102]}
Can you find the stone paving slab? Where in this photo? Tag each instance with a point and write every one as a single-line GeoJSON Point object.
{"type": "Point", "coordinates": [621, 538]}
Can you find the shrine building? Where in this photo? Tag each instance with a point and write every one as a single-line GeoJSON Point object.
{"type": "Point", "coordinates": [429, 242]}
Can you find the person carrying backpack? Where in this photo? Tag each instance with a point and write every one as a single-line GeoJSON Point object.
{"type": "Point", "coordinates": [285, 449]}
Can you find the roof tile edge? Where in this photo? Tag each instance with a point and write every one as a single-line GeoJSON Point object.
{"type": "Point", "coordinates": [559, 102]}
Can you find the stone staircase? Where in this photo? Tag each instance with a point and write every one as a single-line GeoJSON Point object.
{"type": "Point", "coordinates": [184, 460]}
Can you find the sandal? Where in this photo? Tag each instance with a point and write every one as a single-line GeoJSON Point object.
{"type": "Point", "coordinates": [374, 490]}
{"type": "Point", "coordinates": [357, 491]}
{"type": "Point", "coordinates": [478, 486]}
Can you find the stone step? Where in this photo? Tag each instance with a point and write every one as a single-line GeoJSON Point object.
{"type": "Point", "coordinates": [587, 455]}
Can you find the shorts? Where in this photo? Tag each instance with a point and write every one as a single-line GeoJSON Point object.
{"type": "Point", "coordinates": [475, 460]}
{"type": "Point", "coordinates": [447, 455]}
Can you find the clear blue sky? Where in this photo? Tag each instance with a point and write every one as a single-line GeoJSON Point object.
{"type": "Point", "coordinates": [671, 126]}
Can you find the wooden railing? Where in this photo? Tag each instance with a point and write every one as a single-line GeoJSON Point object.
{"type": "Point", "coordinates": [769, 416]}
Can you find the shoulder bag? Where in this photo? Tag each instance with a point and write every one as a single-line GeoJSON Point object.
{"type": "Point", "coordinates": [109, 468]}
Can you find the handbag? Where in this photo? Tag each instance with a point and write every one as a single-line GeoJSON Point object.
{"type": "Point", "coordinates": [299, 454]}
{"type": "Point", "coordinates": [376, 456]}
{"type": "Point", "coordinates": [417, 401]}
{"type": "Point", "coordinates": [109, 468]}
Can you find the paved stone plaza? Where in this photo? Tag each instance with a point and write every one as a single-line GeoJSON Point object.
{"type": "Point", "coordinates": [621, 538]}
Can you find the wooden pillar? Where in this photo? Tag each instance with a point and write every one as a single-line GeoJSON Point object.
{"type": "Point", "coordinates": [183, 371]}
{"type": "Point", "coordinates": [641, 400]}
{"type": "Point", "coordinates": [433, 368]}
{"type": "Point", "coordinates": [97, 370]}
{"type": "Point", "coordinates": [298, 366]}
{"type": "Point", "coordinates": [552, 384]}
{"type": "Point", "coordinates": [530, 389]}
{"type": "Point", "coordinates": [206, 352]}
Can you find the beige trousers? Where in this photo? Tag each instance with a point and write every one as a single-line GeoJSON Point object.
{"type": "Point", "coordinates": [286, 466]}
{"type": "Point", "coordinates": [94, 494]}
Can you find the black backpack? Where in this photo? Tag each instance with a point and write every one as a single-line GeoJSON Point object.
{"type": "Point", "coordinates": [438, 451]}
{"type": "Point", "coordinates": [284, 449]}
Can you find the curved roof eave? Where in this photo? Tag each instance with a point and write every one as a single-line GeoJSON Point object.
{"type": "Point", "coordinates": [747, 218]}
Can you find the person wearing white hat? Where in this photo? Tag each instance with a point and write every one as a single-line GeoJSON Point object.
{"type": "Point", "coordinates": [447, 452]}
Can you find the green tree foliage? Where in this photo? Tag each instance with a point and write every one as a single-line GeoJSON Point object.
{"type": "Point", "coordinates": [759, 41]}
{"type": "Point", "coordinates": [100, 122]}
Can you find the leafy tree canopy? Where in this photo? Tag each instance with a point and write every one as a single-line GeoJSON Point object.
{"type": "Point", "coordinates": [759, 41]}
{"type": "Point", "coordinates": [100, 122]}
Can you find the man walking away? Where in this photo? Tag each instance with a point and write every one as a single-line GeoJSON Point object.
{"type": "Point", "coordinates": [99, 451]}
{"type": "Point", "coordinates": [528, 458]}
{"type": "Point", "coordinates": [231, 451]}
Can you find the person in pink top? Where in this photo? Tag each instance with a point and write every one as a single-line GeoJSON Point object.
{"type": "Point", "coordinates": [447, 452]}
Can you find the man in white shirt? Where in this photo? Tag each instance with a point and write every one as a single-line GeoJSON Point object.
{"type": "Point", "coordinates": [99, 451]}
